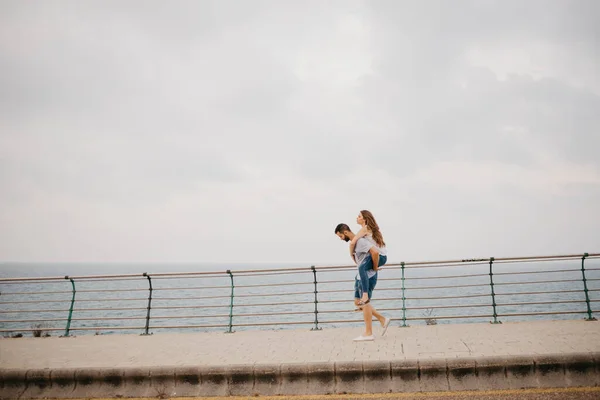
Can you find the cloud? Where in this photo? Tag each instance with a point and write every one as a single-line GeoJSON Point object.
{"type": "Point", "coordinates": [218, 131]}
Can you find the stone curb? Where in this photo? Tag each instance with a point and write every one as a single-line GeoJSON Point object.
{"type": "Point", "coordinates": [423, 375]}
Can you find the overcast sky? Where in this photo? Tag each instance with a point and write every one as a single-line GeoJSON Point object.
{"type": "Point", "coordinates": [197, 131]}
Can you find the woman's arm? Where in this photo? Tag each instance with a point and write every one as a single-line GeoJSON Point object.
{"type": "Point", "coordinates": [363, 231]}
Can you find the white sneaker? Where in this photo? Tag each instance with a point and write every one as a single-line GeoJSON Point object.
{"type": "Point", "coordinates": [385, 325]}
{"type": "Point", "coordinates": [362, 338]}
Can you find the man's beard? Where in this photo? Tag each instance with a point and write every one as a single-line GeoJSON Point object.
{"type": "Point", "coordinates": [346, 238]}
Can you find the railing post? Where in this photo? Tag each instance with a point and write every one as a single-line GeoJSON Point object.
{"type": "Point", "coordinates": [316, 328]}
{"type": "Point", "coordinates": [149, 305]}
{"type": "Point", "coordinates": [493, 293]}
{"type": "Point", "coordinates": [585, 289]}
{"type": "Point", "coordinates": [231, 304]}
{"type": "Point", "coordinates": [68, 328]}
{"type": "Point", "coordinates": [403, 299]}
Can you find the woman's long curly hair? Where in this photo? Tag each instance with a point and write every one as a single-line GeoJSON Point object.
{"type": "Point", "coordinates": [373, 227]}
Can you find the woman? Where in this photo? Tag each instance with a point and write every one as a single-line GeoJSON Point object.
{"type": "Point", "coordinates": [370, 231]}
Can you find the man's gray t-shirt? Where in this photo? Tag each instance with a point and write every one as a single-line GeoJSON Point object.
{"type": "Point", "coordinates": [361, 251]}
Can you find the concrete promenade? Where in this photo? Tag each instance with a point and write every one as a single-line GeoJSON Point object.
{"type": "Point", "coordinates": [413, 359]}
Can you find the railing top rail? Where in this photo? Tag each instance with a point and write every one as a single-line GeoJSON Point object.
{"type": "Point", "coordinates": [214, 274]}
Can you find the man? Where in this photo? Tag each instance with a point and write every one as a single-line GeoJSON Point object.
{"type": "Point", "coordinates": [365, 254]}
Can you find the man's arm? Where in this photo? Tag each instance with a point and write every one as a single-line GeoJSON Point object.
{"type": "Point", "coordinates": [375, 257]}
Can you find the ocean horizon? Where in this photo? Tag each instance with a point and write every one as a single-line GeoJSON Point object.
{"type": "Point", "coordinates": [13, 269]}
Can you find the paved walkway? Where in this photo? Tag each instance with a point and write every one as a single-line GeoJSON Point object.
{"type": "Point", "coordinates": [291, 362]}
{"type": "Point", "coordinates": [302, 346]}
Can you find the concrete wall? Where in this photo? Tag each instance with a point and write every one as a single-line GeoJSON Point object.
{"type": "Point", "coordinates": [317, 378]}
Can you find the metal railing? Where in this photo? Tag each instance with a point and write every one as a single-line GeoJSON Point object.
{"type": "Point", "coordinates": [471, 290]}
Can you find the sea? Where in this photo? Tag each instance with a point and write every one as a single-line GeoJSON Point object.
{"type": "Point", "coordinates": [283, 296]}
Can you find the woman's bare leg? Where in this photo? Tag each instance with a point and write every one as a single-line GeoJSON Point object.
{"type": "Point", "coordinates": [379, 317]}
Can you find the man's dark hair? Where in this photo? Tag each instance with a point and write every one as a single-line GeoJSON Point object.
{"type": "Point", "coordinates": [341, 228]}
